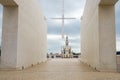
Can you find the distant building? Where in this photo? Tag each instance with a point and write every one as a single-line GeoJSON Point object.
{"type": "Point", "coordinates": [66, 50]}
{"type": "Point", "coordinates": [55, 55]}
{"type": "Point", "coordinates": [118, 52]}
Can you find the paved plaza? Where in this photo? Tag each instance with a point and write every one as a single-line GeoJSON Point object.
{"type": "Point", "coordinates": [58, 69]}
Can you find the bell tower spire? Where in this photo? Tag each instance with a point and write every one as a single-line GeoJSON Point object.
{"type": "Point", "coordinates": [67, 42]}
{"type": "Point", "coordinates": [66, 50]}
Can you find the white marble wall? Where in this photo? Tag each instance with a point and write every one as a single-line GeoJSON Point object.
{"type": "Point", "coordinates": [98, 35]}
{"type": "Point", "coordinates": [24, 33]}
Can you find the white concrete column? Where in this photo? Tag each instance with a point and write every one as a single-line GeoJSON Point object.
{"type": "Point", "coordinates": [9, 35]}
{"type": "Point", "coordinates": [107, 38]}
{"type": "Point", "coordinates": [98, 40]}
{"type": "Point", "coordinates": [24, 33]}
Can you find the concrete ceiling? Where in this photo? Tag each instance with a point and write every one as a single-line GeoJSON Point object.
{"type": "Point", "coordinates": [108, 2]}
{"type": "Point", "coordinates": [8, 2]}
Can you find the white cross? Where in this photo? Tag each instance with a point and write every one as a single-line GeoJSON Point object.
{"type": "Point", "coordinates": [63, 18]}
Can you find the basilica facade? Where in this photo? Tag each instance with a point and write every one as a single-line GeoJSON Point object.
{"type": "Point", "coordinates": [66, 51]}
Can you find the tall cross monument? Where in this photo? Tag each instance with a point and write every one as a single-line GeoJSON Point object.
{"type": "Point", "coordinates": [63, 18]}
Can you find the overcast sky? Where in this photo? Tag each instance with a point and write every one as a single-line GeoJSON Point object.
{"type": "Point", "coordinates": [73, 8]}
{"type": "Point", "coordinates": [53, 9]}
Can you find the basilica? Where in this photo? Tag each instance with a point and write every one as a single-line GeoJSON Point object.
{"type": "Point", "coordinates": [66, 50]}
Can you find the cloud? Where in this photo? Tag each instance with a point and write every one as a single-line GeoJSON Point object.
{"type": "Point", "coordinates": [118, 44]}
{"type": "Point", "coordinates": [55, 42]}
{"type": "Point", "coordinates": [53, 37]}
{"type": "Point", "coordinates": [73, 8]}
{"type": "Point", "coordinates": [75, 14]}
{"type": "Point", "coordinates": [118, 18]}
{"type": "Point", "coordinates": [1, 15]}
{"type": "Point", "coordinates": [52, 8]}
{"type": "Point", "coordinates": [71, 28]}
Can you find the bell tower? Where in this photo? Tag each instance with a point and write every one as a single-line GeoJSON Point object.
{"type": "Point", "coordinates": [67, 42]}
{"type": "Point", "coordinates": [66, 50]}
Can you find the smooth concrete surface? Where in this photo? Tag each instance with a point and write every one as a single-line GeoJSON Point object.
{"type": "Point", "coordinates": [107, 38]}
{"type": "Point", "coordinates": [9, 36]}
{"type": "Point", "coordinates": [98, 44]}
{"type": "Point", "coordinates": [8, 3]}
{"type": "Point", "coordinates": [24, 34]}
{"type": "Point", "coordinates": [59, 69]}
{"type": "Point", "coordinates": [118, 63]}
{"type": "Point", "coordinates": [108, 2]}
